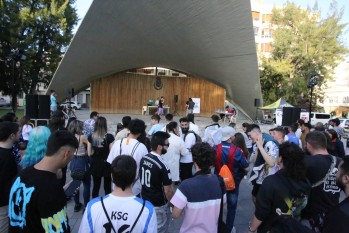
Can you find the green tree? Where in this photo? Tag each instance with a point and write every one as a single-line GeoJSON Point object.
{"type": "Point", "coordinates": [41, 30]}
{"type": "Point", "coordinates": [304, 44]}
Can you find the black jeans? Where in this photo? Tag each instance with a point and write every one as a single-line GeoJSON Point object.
{"type": "Point", "coordinates": [185, 170]}
{"type": "Point", "coordinates": [97, 184]}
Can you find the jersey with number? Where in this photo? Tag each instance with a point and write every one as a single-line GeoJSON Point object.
{"type": "Point", "coordinates": [122, 212]}
{"type": "Point", "coordinates": [154, 174]}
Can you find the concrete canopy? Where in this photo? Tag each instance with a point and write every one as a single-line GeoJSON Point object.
{"type": "Point", "coordinates": [211, 39]}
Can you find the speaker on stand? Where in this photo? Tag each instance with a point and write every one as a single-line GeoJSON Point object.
{"type": "Point", "coordinates": [175, 99]}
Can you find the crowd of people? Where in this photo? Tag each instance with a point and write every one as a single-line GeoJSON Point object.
{"type": "Point", "coordinates": [173, 170]}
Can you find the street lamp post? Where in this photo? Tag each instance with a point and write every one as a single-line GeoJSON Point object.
{"type": "Point", "coordinates": [15, 57]}
{"type": "Point", "coordinates": [311, 84]}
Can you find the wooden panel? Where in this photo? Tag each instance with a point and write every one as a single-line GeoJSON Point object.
{"type": "Point", "coordinates": [127, 93]}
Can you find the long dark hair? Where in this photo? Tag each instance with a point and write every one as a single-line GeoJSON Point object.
{"type": "Point", "coordinates": [239, 141]}
{"type": "Point", "coordinates": [292, 160]}
{"type": "Point", "coordinates": [100, 128]}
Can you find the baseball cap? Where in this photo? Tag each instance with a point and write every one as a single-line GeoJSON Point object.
{"type": "Point", "coordinates": [227, 132]}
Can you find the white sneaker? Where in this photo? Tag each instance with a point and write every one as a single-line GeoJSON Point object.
{"type": "Point", "coordinates": [233, 230]}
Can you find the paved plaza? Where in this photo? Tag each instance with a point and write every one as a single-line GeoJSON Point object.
{"type": "Point", "coordinates": [245, 207]}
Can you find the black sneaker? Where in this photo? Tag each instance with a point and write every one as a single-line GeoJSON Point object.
{"type": "Point", "coordinates": [77, 207]}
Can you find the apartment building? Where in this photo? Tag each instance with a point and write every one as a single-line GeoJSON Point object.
{"type": "Point", "coordinates": [336, 99]}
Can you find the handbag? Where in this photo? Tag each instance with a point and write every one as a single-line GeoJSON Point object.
{"type": "Point", "coordinates": [78, 168]}
{"type": "Point", "coordinates": [222, 227]}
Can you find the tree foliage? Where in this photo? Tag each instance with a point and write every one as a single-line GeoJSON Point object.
{"type": "Point", "coordinates": [304, 44]}
{"type": "Point", "coordinates": [41, 29]}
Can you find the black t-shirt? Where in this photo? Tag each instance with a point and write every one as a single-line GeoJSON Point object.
{"type": "Point", "coordinates": [326, 195]}
{"type": "Point", "coordinates": [8, 171]}
{"type": "Point", "coordinates": [99, 166]}
{"type": "Point", "coordinates": [337, 219]}
{"type": "Point", "coordinates": [37, 203]}
{"type": "Point", "coordinates": [154, 174]}
{"type": "Point", "coordinates": [280, 192]}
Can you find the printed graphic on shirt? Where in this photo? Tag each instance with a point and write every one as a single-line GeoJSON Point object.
{"type": "Point", "coordinates": [117, 216]}
{"type": "Point", "coordinates": [20, 197]}
{"type": "Point", "coordinates": [296, 205]}
{"type": "Point", "coordinates": [17, 206]}
{"type": "Point", "coordinates": [56, 223]}
{"type": "Point", "coordinates": [330, 184]}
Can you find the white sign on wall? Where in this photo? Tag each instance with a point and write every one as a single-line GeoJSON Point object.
{"type": "Point", "coordinates": [197, 105]}
{"type": "Point", "coordinates": [278, 116]}
{"type": "Point", "coordinates": [305, 116]}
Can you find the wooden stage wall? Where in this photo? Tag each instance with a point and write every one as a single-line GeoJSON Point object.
{"type": "Point", "coordinates": [128, 92]}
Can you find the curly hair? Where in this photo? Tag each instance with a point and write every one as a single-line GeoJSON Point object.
{"type": "Point", "coordinates": [293, 160]}
{"type": "Point", "coordinates": [203, 156]}
{"type": "Point", "coordinates": [37, 146]}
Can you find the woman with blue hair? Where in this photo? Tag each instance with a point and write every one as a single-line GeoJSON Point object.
{"type": "Point", "coordinates": [36, 148]}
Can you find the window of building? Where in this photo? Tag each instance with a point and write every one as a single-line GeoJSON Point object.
{"type": "Point", "coordinates": [346, 99]}
{"type": "Point", "coordinates": [333, 99]}
{"type": "Point", "coordinates": [255, 15]}
{"type": "Point", "coordinates": [255, 30]}
{"type": "Point", "coordinates": [266, 47]}
{"type": "Point", "coordinates": [266, 33]}
{"type": "Point", "coordinates": [266, 18]}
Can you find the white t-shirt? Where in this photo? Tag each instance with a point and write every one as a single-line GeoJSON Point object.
{"type": "Point", "coordinates": [174, 152]}
{"type": "Point", "coordinates": [130, 147]}
{"type": "Point", "coordinates": [122, 211]}
{"type": "Point", "coordinates": [26, 131]}
{"type": "Point", "coordinates": [190, 140]}
{"type": "Point", "coordinates": [298, 132]}
{"type": "Point", "coordinates": [248, 141]}
{"type": "Point", "coordinates": [193, 127]}
{"type": "Point", "coordinates": [212, 135]}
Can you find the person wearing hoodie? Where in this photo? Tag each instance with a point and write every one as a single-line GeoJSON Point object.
{"type": "Point", "coordinates": [284, 193]}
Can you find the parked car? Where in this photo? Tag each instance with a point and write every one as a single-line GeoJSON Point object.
{"type": "Point", "coordinates": [344, 123]}
{"type": "Point", "coordinates": [320, 117]}
{"type": "Point", "coordinates": [4, 102]}
{"type": "Point", "coordinates": [73, 104]}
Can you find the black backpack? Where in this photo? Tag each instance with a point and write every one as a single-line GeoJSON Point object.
{"type": "Point", "coordinates": [197, 137]}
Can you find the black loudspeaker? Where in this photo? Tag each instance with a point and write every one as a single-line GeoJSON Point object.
{"type": "Point", "coordinates": [37, 106]}
{"type": "Point", "coordinates": [175, 98]}
{"type": "Point", "coordinates": [257, 102]}
{"type": "Point", "coordinates": [44, 107]}
{"type": "Point", "coordinates": [290, 115]}
{"type": "Point", "coordinates": [31, 106]}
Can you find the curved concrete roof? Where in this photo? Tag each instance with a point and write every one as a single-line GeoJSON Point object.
{"type": "Point", "coordinates": [212, 39]}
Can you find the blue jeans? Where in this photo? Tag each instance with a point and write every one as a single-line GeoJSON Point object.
{"type": "Point", "coordinates": [232, 202]}
{"type": "Point", "coordinates": [163, 217]}
{"type": "Point", "coordinates": [84, 160]}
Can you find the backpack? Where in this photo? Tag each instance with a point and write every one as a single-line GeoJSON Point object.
{"type": "Point", "coordinates": [197, 137]}
{"type": "Point", "coordinates": [225, 172]}
{"type": "Point", "coordinates": [290, 222]}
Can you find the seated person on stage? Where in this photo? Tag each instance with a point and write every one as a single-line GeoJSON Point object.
{"type": "Point", "coordinates": [227, 110]}
{"type": "Point", "coordinates": [150, 102]}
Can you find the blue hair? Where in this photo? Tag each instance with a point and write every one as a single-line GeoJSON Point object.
{"type": "Point", "coordinates": [36, 148]}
